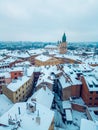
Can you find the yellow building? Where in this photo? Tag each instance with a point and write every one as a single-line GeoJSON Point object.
{"type": "Point", "coordinates": [18, 90]}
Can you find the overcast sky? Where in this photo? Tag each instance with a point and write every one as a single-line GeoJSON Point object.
{"type": "Point", "coordinates": [47, 20]}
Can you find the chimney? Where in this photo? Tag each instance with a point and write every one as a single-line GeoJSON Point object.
{"type": "Point", "coordinates": [38, 118]}
{"type": "Point", "coordinates": [34, 108]}
{"type": "Point", "coordinates": [19, 111]}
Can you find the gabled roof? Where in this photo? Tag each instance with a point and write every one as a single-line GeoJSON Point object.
{"type": "Point", "coordinates": [44, 97]}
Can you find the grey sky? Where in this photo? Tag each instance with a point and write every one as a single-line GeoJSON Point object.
{"type": "Point", "coordinates": [47, 20]}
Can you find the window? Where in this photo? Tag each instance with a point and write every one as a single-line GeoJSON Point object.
{"type": "Point", "coordinates": [15, 73]}
{"type": "Point", "coordinates": [97, 92]}
{"type": "Point", "coordinates": [16, 98]}
{"type": "Point", "coordinates": [95, 104]}
{"type": "Point", "coordinates": [3, 81]}
{"type": "Point", "coordinates": [90, 98]}
{"type": "Point", "coordinates": [90, 85]}
{"type": "Point", "coordinates": [90, 104]}
{"type": "Point", "coordinates": [16, 92]}
{"type": "Point", "coordinates": [96, 85]}
{"type": "Point", "coordinates": [91, 92]}
{"type": "Point", "coordinates": [96, 98]}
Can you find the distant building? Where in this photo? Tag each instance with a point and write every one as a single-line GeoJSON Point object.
{"type": "Point", "coordinates": [51, 47]}
{"type": "Point", "coordinates": [63, 45]}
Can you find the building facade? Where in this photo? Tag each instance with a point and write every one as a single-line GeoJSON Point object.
{"type": "Point", "coordinates": [89, 92]}
{"type": "Point", "coordinates": [18, 90]}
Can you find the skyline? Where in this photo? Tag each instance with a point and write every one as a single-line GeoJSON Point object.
{"type": "Point", "coordinates": [42, 20]}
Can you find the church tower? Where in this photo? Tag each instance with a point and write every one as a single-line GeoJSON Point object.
{"type": "Point", "coordinates": [63, 45]}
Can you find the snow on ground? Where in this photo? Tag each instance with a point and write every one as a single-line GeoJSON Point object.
{"type": "Point", "coordinates": [77, 116]}
{"type": "Point", "coordinates": [5, 104]}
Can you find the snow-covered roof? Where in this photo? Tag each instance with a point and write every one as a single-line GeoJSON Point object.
{"type": "Point", "coordinates": [66, 105]}
{"type": "Point", "coordinates": [66, 56]}
{"type": "Point", "coordinates": [2, 57]}
{"type": "Point", "coordinates": [37, 69]}
{"type": "Point", "coordinates": [4, 51]}
{"type": "Point", "coordinates": [10, 60]}
{"type": "Point", "coordinates": [50, 69]}
{"type": "Point", "coordinates": [91, 60]}
{"type": "Point", "coordinates": [72, 81]}
{"type": "Point", "coordinates": [44, 78]}
{"type": "Point", "coordinates": [51, 46]}
{"type": "Point", "coordinates": [5, 104]}
{"type": "Point", "coordinates": [13, 69]}
{"type": "Point", "coordinates": [30, 71]}
{"type": "Point", "coordinates": [28, 120]}
{"type": "Point", "coordinates": [82, 68]}
{"type": "Point", "coordinates": [7, 61]}
{"type": "Point", "coordinates": [23, 63]}
{"type": "Point", "coordinates": [92, 83]}
{"type": "Point", "coordinates": [46, 74]}
{"type": "Point", "coordinates": [78, 101]}
{"type": "Point", "coordinates": [63, 82]}
{"type": "Point", "coordinates": [16, 84]}
{"type": "Point", "coordinates": [88, 125]}
{"type": "Point", "coordinates": [43, 58]}
{"type": "Point", "coordinates": [19, 54]}
{"type": "Point", "coordinates": [36, 51]}
{"type": "Point", "coordinates": [68, 115]}
{"type": "Point", "coordinates": [44, 97]}
{"type": "Point", "coordinates": [57, 128]}
{"type": "Point", "coordinates": [5, 74]}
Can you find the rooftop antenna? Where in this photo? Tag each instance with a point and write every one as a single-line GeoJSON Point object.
{"type": "Point", "coordinates": [38, 113]}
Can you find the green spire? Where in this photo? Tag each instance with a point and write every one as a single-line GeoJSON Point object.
{"type": "Point", "coordinates": [64, 38]}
